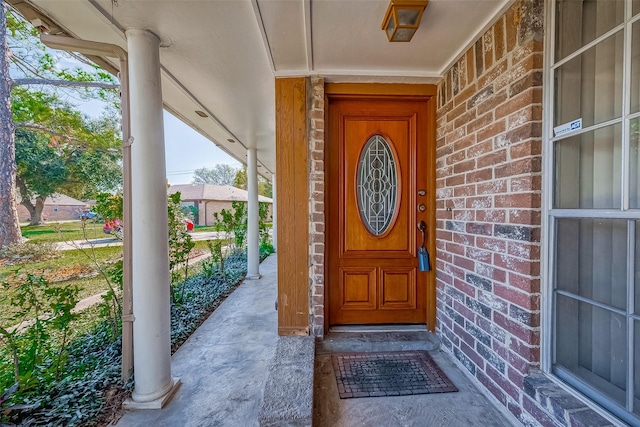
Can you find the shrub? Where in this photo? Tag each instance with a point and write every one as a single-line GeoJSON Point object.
{"type": "Point", "coordinates": [92, 363]}
{"type": "Point", "coordinates": [266, 249]}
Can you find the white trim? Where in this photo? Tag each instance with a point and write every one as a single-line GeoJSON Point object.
{"type": "Point", "coordinates": [595, 213]}
{"type": "Point", "coordinates": [377, 75]}
{"type": "Point", "coordinates": [586, 47]}
{"type": "Point", "coordinates": [546, 264]}
{"type": "Point", "coordinates": [631, 248]}
{"type": "Point", "coordinates": [586, 129]}
{"type": "Point", "coordinates": [263, 33]}
{"type": "Point", "coordinates": [626, 107]}
{"type": "Point", "coordinates": [474, 38]}
{"type": "Point", "coordinates": [306, 8]}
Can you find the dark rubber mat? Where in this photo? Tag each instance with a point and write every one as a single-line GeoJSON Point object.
{"type": "Point", "coordinates": [393, 373]}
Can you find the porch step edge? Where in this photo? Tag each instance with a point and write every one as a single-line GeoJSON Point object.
{"type": "Point", "coordinates": [288, 392]}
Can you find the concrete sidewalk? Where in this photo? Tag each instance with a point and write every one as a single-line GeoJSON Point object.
{"type": "Point", "coordinates": [114, 241]}
{"type": "Point", "coordinates": [223, 366]}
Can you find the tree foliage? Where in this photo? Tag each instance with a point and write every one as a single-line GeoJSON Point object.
{"type": "Point", "coordinates": [51, 162]}
{"type": "Point", "coordinates": [220, 174]}
{"type": "Point", "coordinates": [264, 186]}
{"type": "Point", "coordinates": [58, 149]}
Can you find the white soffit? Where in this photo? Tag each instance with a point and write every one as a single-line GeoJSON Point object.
{"type": "Point", "coordinates": [286, 34]}
{"type": "Point", "coordinates": [220, 56]}
{"type": "Point", "coordinates": [213, 60]}
{"type": "Point", "coordinates": [348, 43]}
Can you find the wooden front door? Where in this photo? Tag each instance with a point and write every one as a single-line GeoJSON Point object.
{"type": "Point", "coordinates": [380, 184]}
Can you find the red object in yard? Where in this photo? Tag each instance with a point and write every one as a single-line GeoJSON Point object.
{"type": "Point", "coordinates": [189, 224]}
{"type": "Point", "coordinates": [113, 226]}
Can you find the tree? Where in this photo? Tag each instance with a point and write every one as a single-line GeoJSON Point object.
{"type": "Point", "coordinates": [241, 180]}
{"type": "Point", "coordinates": [9, 225]}
{"type": "Point", "coordinates": [48, 164]}
{"type": "Point", "coordinates": [219, 174]}
{"type": "Point", "coordinates": [28, 63]}
{"type": "Point", "coordinates": [43, 168]}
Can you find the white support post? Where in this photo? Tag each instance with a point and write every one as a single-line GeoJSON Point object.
{"type": "Point", "coordinates": [253, 241]}
{"type": "Point", "coordinates": [153, 385]}
{"type": "Point", "coordinates": [274, 215]}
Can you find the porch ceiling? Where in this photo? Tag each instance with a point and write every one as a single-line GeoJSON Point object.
{"type": "Point", "coordinates": [221, 56]}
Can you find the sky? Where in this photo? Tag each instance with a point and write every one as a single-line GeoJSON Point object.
{"type": "Point", "coordinates": [187, 150]}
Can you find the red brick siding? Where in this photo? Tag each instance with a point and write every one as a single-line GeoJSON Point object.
{"type": "Point", "coordinates": [488, 184]}
{"type": "Point", "coordinates": [316, 205]}
{"type": "Point", "coordinates": [49, 214]}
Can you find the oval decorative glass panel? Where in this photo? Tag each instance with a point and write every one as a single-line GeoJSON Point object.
{"type": "Point", "coordinates": [377, 185]}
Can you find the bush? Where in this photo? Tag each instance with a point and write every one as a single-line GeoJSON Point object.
{"type": "Point", "coordinates": [266, 249]}
{"type": "Point", "coordinates": [92, 366]}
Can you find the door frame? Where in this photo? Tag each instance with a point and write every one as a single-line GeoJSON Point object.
{"type": "Point", "coordinates": [381, 91]}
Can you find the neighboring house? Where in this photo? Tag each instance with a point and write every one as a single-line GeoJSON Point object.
{"type": "Point", "coordinates": [58, 207]}
{"type": "Point", "coordinates": [210, 199]}
{"type": "Point", "coordinates": [511, 128]}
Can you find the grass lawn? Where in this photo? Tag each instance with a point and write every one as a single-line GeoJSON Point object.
{"type": "Point", "coordinates": [69, 263]}
{"type": "Point", "coordinates": [63, 231]}
{"type": "Point", "coordinates": [203, 228]}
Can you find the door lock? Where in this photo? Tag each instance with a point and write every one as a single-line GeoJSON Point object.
{"type": "Point", "coordinates": [422, 207]}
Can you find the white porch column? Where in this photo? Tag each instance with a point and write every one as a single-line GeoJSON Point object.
{"type": "Point", "coordinates": [274, 215]}
{"type": "Point", "coordinates": [154, 385]}
{"type": "Point", "coordinates": [253, 241]}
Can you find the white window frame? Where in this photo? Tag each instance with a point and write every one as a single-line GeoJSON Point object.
{"type": "Point", "coordinates": [549, 215]}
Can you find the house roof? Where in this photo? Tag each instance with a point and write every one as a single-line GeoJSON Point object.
{"type": "Point", "coordinates": [63, 200]}
{"type": "Point", "coordinates": [213, 192]}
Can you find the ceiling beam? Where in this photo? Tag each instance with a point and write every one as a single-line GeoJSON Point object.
{"type": "Point", "coordinates": [263, 33]}
{"type": "Point", "coordinates": [306, 7]}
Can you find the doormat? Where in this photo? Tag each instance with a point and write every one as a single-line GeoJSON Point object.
{"type": "Point", "coordinates": [393, 373]}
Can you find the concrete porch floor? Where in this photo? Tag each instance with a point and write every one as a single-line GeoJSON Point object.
{"type": "Point", "coordinates": [467, 407]}
{"type": "Point", "coordinates": [224, 367]}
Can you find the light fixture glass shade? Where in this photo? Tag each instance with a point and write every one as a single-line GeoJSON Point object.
{"type": "Point", "coordinates": [391, 27]}
{"type": "Point", "coordinates": [403, 19]}
{"type": "Point", "coordinates": [404, 34]}
{"type": "Point", "coordinates": [408, 17]}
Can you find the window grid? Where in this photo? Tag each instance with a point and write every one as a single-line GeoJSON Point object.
{"type": "Point", "coordinates": [631, 215]}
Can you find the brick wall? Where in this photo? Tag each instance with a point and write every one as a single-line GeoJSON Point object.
{"type": "Point", "coordinates": [489, 123]}
{"type": "Point", "coordinates": [316, 204]}
{"type": "Point", "coordinates": [63, 213]}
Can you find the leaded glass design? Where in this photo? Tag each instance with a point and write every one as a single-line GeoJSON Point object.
{"type": "Point", "coordinates": [377, 185]}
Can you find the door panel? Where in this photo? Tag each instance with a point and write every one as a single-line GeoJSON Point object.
{"type": "Point", "coordinates": [375, 278]}
{"type": "Point", "coordinates": [397, 289]}
{"type": "Point", "coordinates": [358, 288]}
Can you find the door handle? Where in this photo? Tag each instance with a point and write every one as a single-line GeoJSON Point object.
{"type": "Point", "coordinates": [422, 226]}
{"type": "Point", "coordinates": [423, 255]}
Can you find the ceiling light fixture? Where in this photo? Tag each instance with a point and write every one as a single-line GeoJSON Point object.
{"type": "Point", "coordinates": [403, 19]}
{"type": "Point", "coordinates": [201, 113]}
